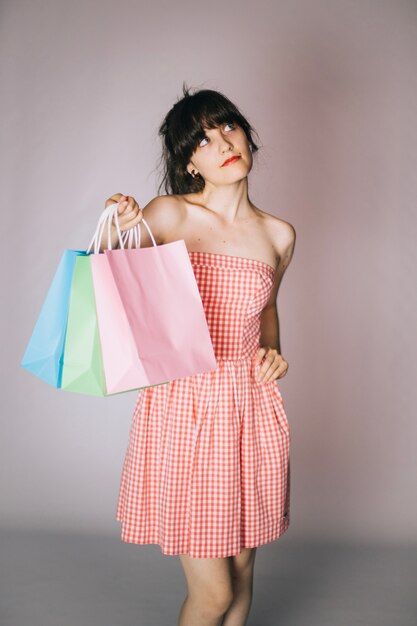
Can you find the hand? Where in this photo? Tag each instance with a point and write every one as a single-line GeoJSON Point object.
{"type": "Point", "coordinates": [273, 366]}
{"type": "Point", "coordinates": [129, 213]}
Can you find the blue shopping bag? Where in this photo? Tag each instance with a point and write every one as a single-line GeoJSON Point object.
{"type": "Point", "coordinates": [44, 353]}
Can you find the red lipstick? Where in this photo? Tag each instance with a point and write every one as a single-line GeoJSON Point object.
{"type": "Point", "coordinates": [231, 160]}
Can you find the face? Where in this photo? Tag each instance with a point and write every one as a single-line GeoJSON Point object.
{"type": "Point", "coordinates": [220, 144]}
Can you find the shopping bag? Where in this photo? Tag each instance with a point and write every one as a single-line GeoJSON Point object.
{"type": "Point", "coordinates": [122, 366]}
{"type": "Point", "coordinates": [82, 366]}
{"type": "Point", "coordinates": [69, 360]}
{"type": "Point", "coordinates": [44, 351]}
{"type": "Point", "coordinates": [151, 318]}
{"type": "Point", "coordinates": [64, 349]}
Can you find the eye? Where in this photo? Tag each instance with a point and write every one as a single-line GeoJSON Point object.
{"type": "Point", "coordinates": [232, 124]}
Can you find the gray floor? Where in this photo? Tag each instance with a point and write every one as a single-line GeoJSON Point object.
{"type": "Point", "coordinates": [60, 580]}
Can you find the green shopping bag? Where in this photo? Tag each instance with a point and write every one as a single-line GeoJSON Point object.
{"type": "Point", "coordinates": [82, 370]}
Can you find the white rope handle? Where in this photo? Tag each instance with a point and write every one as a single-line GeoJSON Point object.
{"type": "Point", "coordinates": [135, 230]}
{"type": "Point", "coordinates": [106, 217]}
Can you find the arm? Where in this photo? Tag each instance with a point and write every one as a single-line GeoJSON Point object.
{"type": "Point", "coordinates": [270, 328]}
{"type": "Point", "coordinates": [274, 366]}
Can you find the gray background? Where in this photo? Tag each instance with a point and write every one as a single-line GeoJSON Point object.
{"type": "Point", "coordinates": [331, 89]}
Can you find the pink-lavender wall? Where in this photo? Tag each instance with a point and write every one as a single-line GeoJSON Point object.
{"type": "Point", "coordinates": [331, 89]}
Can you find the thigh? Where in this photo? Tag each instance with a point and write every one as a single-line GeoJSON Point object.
{"type": "Point", "coordinates": [209, 578]}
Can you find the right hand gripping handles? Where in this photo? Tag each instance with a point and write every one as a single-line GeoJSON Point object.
{"type": "Point", "coordinates": [106, 217]}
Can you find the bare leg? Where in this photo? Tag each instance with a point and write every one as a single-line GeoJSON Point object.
{"type": "Point", "coordinates": [210, 593]}
{"type": "Point", "coordinates": [242, 579]}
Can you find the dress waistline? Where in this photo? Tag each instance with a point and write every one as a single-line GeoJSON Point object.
{"type": "Point", "coordinates": [241, 358]}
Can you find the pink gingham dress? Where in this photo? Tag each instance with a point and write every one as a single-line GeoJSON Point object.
{"type": "Point", "coordinates": [207, 469]}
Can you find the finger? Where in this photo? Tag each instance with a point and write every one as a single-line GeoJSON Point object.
{"type": "Point", "coordinates": [117, 197]}
{"type": "Point", "coordinates": [128, 216]}
{"type": "Point", "coordinates": [264, 371]}
{"type": "Point", "coordinates": [269, 378]}
{"type": "Point", "coordinates": [132, 205]}
{"type": "Point", "coordinates": [260, 354]}
{"type": "Point", "coordinates": [131, 213]}
{"type": "Point", "coordinates": [283, 370]}
{"type": "Point", "coordinates": [121, 217]}
{"type": "Point", "coordinates": [269, 365]}
{"type": "Point", "coordinates": [270, 357]}
{"type": "Point", "coordinates": [130, 223]}
{"type": "Point", "coordinates": [271, 375]}
{"type": "Point", "coordinates": [121, 209]}
{"type": "Point", "coordinates": [138, 210]}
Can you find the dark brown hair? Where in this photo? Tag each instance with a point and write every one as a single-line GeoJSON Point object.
{"type": "Point", "coordinates": [183, 129]}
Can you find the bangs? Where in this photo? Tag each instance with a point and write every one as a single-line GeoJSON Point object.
{"type": "Point", "coordinates": [205, 110]}
{"type": "Point", "coordinates": [212, 117]}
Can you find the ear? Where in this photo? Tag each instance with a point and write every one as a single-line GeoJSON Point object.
{"type": "Point", "coordinates": [192, 171]}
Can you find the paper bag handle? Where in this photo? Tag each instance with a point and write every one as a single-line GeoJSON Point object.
{"type": "Point", "coordinates": [106, 217]}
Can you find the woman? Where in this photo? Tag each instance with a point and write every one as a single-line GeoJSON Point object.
{"type": "Point", "coordinates": [206, 473]}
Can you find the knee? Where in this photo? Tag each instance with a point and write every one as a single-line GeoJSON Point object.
{"type": "Point", "coordinates": [223, 601]}
{"type": "Point", "coordinates": [213, 601]}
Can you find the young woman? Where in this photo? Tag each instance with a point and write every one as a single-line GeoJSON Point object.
{"type": "Point", "coordinates": [206, 474]}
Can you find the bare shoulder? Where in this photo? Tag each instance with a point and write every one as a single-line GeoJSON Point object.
{"type": "Point", "coordinates": [163, 214]}
{"type": "Point", "coordinates": [282, 235]}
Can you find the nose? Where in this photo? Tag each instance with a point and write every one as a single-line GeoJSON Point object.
{"type": "Point", "coordinates": [226, 145]}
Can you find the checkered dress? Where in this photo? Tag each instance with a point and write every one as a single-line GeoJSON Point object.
{"type": "Point", "coordinates": [207, 471]}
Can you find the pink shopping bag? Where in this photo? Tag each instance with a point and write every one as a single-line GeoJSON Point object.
{"type": "Point", "coordinates": [150, 315]}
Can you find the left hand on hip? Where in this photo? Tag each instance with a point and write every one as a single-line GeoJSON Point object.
{"type": "Point", "coordinates": [273, 366]}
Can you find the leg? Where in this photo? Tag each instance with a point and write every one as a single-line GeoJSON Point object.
{"type": "Point", "coordinates": [209, 583]}
{"type": "Point", "coordinates": [242, 581]}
